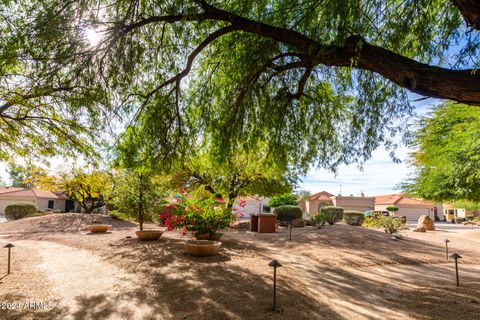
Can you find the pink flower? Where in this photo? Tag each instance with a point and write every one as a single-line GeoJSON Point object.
{"type": "Point", "coordinates": [184, 232]}
{"type": "Point", "coordinates": [183, 190]}
{"type": "Point", "coordinates": [219, 200]}
{"type": "Point", "coordinates": [235, 209]}
{"type": "Point", "coordinates": [242, 215]}
{"type": "Point", "coordinates": [243, 203]}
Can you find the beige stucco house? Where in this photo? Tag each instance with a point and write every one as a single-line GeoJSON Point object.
{"type": "Point", "coordinates": [450, 212]}
{"type": "Point", "coordinates": [409, 207]}
{"type": "Point", "coordinates": [251, 205]}
{"type": "Point", "coordinates": [42, 199]}
{"type": "Point", "coordinates": [324, 198]}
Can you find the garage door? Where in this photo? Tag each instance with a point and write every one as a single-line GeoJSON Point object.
{"type": "Point", "coordinates": [5, 203]}
{"type": "Point", "coordinates": [413, 214]}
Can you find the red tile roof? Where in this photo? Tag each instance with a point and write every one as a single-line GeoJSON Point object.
{"type": "Point", "coordinates": [400, 198]}
{"type": "Point", "coordinates": [323, 195]}
{"type": "Point", "coordinates": [26, 193]}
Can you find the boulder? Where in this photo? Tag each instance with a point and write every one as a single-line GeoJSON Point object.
{"type": "Point", "coordinates": [421, 229]}
{"type": "Point", "coordinates": [425, 222]}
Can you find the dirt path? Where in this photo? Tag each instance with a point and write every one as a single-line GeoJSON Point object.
{"type": "Point", "coordinates": [77, 276]}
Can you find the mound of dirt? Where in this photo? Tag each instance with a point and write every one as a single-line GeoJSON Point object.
{"type": "Point", "coordinates": [60, 222]}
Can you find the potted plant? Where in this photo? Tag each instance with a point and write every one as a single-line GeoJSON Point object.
{"type": "Point", "coordinates": [203, 215]}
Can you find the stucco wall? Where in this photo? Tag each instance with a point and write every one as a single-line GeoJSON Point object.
{"type": "Point", "coordinates": [58, 204]}
{"type": "Point", "coordinates": [355, 203]}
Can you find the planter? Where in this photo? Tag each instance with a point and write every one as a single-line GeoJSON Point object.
{"type": "Point", "coordinates": [149, 235]}
{"type": "Point", "coordinates": [201, 248]}
{"type": "Point", "coordinates": [208, 236]}
{"type": "Point", "coordinates": [99, 228]}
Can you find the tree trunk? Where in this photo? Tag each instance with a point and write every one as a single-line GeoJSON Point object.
{"type": "Point", "coordinates": [140, 205]}
{"type": "Point", "coordinates": [470, 10]}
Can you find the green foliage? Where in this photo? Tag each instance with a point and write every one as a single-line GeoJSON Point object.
{"type": "Point", "coordinates": [30, 176]}
{"type": "Point", "coordinates": [390, 225]}
{"type": "Point", "coordinates": [283, 200]}
{"type": "Point", "coordinates": [392, 209]}
{"type": "Point", "coordinates": [201, 214]}
{"type": "Point", "coordinates": [448, 158]}
{"type": "Point", "coordinates": [287, 213]}
{"type": "Point", "coordinates": [332, 214]}
{"type": "Point", "coordinates": [20, 211]}
{"type": "Point", "coordinates": [319, 220]}
{"type": "Point", "coordinates": [89, 189]}
{"type": "Point", "coordinates": [353, 218]}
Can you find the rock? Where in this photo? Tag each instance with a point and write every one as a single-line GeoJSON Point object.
{"type": "Point", "coordinates": [298, 223]}
{"type": "Point", "coordinates": [421, 229]}
{"type": "Point", "coordinates": [425, 222]}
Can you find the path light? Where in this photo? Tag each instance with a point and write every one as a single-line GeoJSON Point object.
{"type": "Point", "coordinates": [446, 247]}
{"type": "Point", "coordinates": [290, 229]}
{"type": "Point", "coordinates": [456, 256]}
{"type": "Point", "coordinates": [275, 264]}
{"type": "Point", "coordinates": [9, 246]}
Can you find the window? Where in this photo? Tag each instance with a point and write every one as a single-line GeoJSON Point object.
{"type": "Point", "coordinates": [51, 204]}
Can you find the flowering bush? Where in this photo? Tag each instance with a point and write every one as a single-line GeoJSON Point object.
{"type": "Point", "coordinates": [198, 214]}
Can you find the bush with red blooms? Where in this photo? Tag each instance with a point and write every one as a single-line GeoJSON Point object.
{"type": "Point", "coordinates": [202, 214]}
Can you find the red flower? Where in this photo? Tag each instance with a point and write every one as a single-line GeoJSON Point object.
{"type": "Point", "coordinates": [243, 203]}
{"type": "Point", "coordinates": [183, 190]}
{"type": "Point", "coordinates": [219, 200]}
{"type": "Point", "coordinates": [184, 232]}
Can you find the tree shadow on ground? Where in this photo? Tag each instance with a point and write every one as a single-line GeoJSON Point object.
{"type": "Point", "coordinates": [179, 286]}
{"type": "Point", "coordinates": [13, 307]}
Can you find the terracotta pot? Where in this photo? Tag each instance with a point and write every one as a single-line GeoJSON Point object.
{"type": "Point", "coordinates": [99, 228]}
{"type": "Point", "coordinates": [208, 236]}
{"type": "Point", "coordinates": [201, 248]}
{"type": "Point", "coordinates": [149, 235]}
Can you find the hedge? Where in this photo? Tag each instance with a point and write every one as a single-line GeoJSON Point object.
{"type": "Point", "coordinates": [332, 214]}
{"type": "Point", "coordinates": [353, 218]}
{"type": "Point", "coordinates": [20, 210]}
{"type": "Point", "coordinates": [287, 213]}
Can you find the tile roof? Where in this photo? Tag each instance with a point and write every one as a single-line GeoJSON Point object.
{"type": "Point", "coordinates": [400, 198]}
{"type": "Point", "coordinates": [26, 193]}
{"type": "Point", "coordinates": [323, 195]}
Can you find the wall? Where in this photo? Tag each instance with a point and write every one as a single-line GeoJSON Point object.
{"type": "Point", "coordinates": [354, 203]}
{"type": "Point", "coordinates": [5, 202]}
{"type": "Point", "coordinates": [58, 204]}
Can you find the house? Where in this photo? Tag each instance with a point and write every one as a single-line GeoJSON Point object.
{"type": "Point", "coordinates": [450, 212]}
{"type": "Point", "coordinates": [322, 199]}
{"type": "Point", "coordinates": [42, 199]}
{"type": "Point", "coordinates": [409, 207]}
{"type": "Point", "coordinates": [251, 205]}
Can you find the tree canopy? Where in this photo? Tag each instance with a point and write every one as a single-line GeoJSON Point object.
{"type": "Point", "coordinates": [319, 81]}
{"type": "Point", "coordinates": [447, 160]}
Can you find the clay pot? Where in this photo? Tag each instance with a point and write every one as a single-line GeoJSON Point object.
{"type": "Point", "coordinates": [208, 236]}
{"type": "Point", "coordinates": [201, 248]}
{"type": "Point", "coordinates": [149, 235]}
{"type": "Point", "coordinates": [99, 228]}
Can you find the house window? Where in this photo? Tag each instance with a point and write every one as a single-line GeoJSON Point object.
{"type": "Point", "coordinates": [50, 204]}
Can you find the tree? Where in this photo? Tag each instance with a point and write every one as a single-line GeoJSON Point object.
{"type": "Point", "coordinates": [31, 176]}
{"type": "Point", "coordinates": [89, 189]}
{"type": "Point", "coordinates": [392, 209]}
{"type": "Point", "coordinates": [286, 199]}
{"type": "Point", "coordinates": [447, 160]}
{"type": "Point", "coordinates": [137, 191]}
{"type": "Point", "coordinates": [321, 80]}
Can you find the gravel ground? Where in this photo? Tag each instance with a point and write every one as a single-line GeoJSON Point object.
{"type": "Point", "coordinates": [339, 272]}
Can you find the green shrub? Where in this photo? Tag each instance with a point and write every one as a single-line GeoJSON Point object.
{"type": "Point", "coordinates": [402, 219]}
{"type": "Point", "coordinates": [287, 213]}
{"type": "Point", "coordinates": [20, 210]}
{"type": "Point", "coordinates": [332, 214]}
{"type": "Point", "coordinates": [392, 209]}
{"type": "Point", "coordinates": [286, 199]}
{"type": "Point", "coordinates": [319, 221]}
{"type": "Point", "coordinates": [391, 225]}
{"type": "Point", "coordinates": [353, 218]}
{"type": "Point", "coordinates": [370, 222]}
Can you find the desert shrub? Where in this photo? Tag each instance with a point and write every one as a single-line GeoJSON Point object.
{"type": "Point", "coordinates": [370, 222]}
{"type": "Point", "coordinates": [319, 221]}
{"type": "Point", "coordinates": [332, 214]}
{"type": "Point", "coordinates": [286, 199]}
{"type": "Point", "coordinates": [287, 213]}
{"type": "Point", "coordinates": [47, 210]}
{"type": "Point", "coordinates": [353, 218]}
{"type": "Point", "coordinates": [117, 215]}
{"type": "Point", "coordinates": [20, 210]}
{"type": "Point", "coordinates": [389, 224]}
{"type": "Point", "coordinates": [459, 220]}
{"type": "Point", "coordinates": [476, 219]}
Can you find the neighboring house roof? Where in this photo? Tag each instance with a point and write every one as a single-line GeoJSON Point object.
{"type": "Point", "coordinates": [323, 195]}
{"type": "Point", "coordinates": [400, 199]}
{"type": "Point", "coordinates": [29, 194]}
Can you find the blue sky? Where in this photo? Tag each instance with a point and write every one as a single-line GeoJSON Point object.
{"type": "Point", "coordinates": [380, 175]}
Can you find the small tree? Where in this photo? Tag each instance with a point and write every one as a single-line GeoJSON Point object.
{"type": "Point", "coordinates": [332, 214]}
{"type": "Point", "coordinates": [287, 213]}
{"type": "Point", "coordinates": [286, 199]}
{"type": "Point", "coordinates": [392, 209]}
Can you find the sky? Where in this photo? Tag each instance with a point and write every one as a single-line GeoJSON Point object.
{"type": "Point", "coordinates": [380, 175]}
